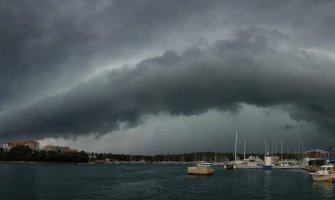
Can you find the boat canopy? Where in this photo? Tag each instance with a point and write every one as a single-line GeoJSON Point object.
{"type": "Point", "coordinates": [316, 153]}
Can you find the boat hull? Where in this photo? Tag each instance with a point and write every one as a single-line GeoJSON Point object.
{"type": "Point", "coordinates": [288, 167]}
{"type": "Point", "coordinates": [322, 177]}
{"type": "Point", "coordinates": [248, 167]}
{"type": "Point", "coordinates": [267, 167]}
{"type": "Point", "coordinates": [230, 166]}
{"type": "Point", "coordinates": [202, 170]}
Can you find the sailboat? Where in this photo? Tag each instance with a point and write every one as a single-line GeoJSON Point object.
{"type": "Point", "coordinates": [267, 160]}
{"type": "Point", "coordinates": [252, 162]}
{"type": "Point", "coordinates": [232, 164]}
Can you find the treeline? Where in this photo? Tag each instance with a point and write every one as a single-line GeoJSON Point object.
{"type": "Point", "coordinates": [185, 157]}
{"type": "Point", "coordinates": [24, 153]}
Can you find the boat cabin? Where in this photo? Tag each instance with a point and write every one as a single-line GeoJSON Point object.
{"type": "Point", "coordinates": [327, 168]}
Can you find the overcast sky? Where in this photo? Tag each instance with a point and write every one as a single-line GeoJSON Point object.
{"type": "Point", "coordinates": [148, 76]}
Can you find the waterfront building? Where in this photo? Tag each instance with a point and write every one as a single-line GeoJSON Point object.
{"type": "Point", "coordinates": [30, 143]}
{"type": "Point", "coordinates": [315, 157]}
{"type": "Point", "coordinates": [59, 149]}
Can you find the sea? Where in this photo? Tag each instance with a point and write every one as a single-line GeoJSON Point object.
{"type": "Point", "coordinates": [154, 181]}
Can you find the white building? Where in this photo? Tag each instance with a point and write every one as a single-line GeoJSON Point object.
{"type": "Point", "coordinates": [59, 149]}
{"type": "Point", "coordinates": [31, 144]}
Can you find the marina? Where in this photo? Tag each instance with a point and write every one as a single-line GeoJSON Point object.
{"type": "Point", "coordinates": [165, 100]}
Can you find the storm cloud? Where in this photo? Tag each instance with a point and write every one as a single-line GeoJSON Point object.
{"type": "Point", "coordinates": [76, 68]}
{"type": "Point", "coordinates": [49, 46]}
{"type": "Point", "coordinates": [247, 69]}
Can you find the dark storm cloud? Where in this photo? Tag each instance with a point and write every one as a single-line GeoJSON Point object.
{"type": "Point", "coordinates": [49, 46]}
{"type": "Point", "coordinates": [248, 69]}
{"type": "Point", "coordinates": [41, 41]}
{"type": "Point", "coordinates": [46, 46]}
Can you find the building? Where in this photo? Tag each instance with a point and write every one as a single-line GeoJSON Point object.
{"type": "Point", "coordinates": [316, 154]}
{"type": "Point", "coordinates": [30, 143]}
{"type": "Point", "coordinates": [315, 157]}
{"type": "Point", "coordinates": [59, 149]}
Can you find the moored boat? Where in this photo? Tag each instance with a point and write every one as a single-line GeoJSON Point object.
{"type": "Point", "coordinates": [288, 164]}
{"type": "Point", "coordinates": [267, 163]}
{"type": "Point", "coordinates": [253, 162]}
{"type": "Point", "coordinates": [267, 159]}
{"type": "Point", "coordinates": [200, 168]}
{"type": "Point", "coordinates": [230, 165]}
{"type": "Point", "coordinates": [325, 173]}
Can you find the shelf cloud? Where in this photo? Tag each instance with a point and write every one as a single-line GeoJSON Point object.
{"type": "Point", "coordinates": [79, 68]}
{"type": "Point", "coordinates": [246, 69]}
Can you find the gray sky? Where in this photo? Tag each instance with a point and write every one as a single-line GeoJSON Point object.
{"type": "Point", "coordinates": [167, 76]}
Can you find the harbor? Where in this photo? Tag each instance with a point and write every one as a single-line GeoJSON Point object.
{"type": "Point", "coordinates": [156, 181]}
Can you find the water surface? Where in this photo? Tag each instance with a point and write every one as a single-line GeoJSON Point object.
{"type": "Point", "coordinates": [142, 181]}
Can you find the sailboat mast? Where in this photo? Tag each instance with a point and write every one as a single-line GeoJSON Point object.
{"type": "Point", "coordinates": [302, 148]}
{"type": "Point", "coordinates": [235, 143]}
{"type": "Point", "coordinates": [245, 144]}
{"type": "Point", "coordinates": [265, 147]}
{"type": "Point", "coordinates": [215, 156]}
{"type": "Point", "coordinates": [281, 149]}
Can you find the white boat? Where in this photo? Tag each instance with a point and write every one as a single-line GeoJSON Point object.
{"type": "Point", "coordinates": [232, 164]}
{"type": "Point", "coordinates": [267, 160]}
{"type": "Point", "coordinates": [200, 168]}
{"type": "Point", "coordinates": [253, 162]}
{"type": "Point", "coordinates": [204, 163]}
{"type": "Point", "coordinates": [325, 173]}
{"type": "Point", "coordinates": [288, 164]}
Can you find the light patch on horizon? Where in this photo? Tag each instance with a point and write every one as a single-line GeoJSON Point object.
{"type": "Point", "coordinates": [212, 131]}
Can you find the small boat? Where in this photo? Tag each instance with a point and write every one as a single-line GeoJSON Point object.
{"type": "Point", "coordinates": [267, 163]}
{"type": "Point", "coordinates": [200, 168]}
{"type": "Point", "coordinates": [325, 173]}
{"type": "Point", "coordinates": [230, 166]}
{"type": "Point", "coordinates": [267, 160]}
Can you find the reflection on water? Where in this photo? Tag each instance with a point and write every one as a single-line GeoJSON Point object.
{"type": "Point", "coordinates": [326, 189]}
{"type": "Point", "coordinates": [267, 184]}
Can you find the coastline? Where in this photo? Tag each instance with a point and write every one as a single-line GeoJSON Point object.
{"type": "Point", "coordinates": [33, 162]}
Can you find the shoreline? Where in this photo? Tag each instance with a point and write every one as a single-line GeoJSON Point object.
{"type": "Point", "coordinates": [34, 162]}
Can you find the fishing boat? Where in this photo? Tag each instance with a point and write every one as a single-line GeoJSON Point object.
{"type": "Point", "coordinates": [200, 168]}
{"type": "Point", "coordinates": [325, 173]}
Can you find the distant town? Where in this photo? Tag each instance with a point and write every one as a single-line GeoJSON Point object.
{"type": "Point", "coordinates": [30, 151]}
{"type": "Point", "coordinates": [34, 145]}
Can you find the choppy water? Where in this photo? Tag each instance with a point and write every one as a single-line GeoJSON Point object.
{"type": "Point", "coordinates": [141, 181]}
